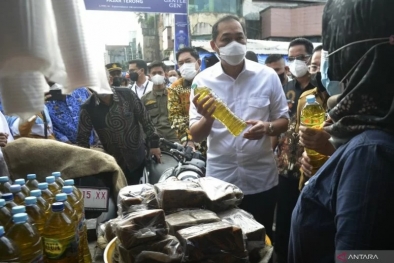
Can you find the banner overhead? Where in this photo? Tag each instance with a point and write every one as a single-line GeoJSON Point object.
{"type": "Point", "coordinates": [181, 39]}
{"type": "Point", "coordinates": [143, 6]}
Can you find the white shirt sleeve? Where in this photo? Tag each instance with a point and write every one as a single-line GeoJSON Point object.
{"type": "Point", "coordinates": [194, 116]}
{"type": "Point", "coordinates": [278, 103]}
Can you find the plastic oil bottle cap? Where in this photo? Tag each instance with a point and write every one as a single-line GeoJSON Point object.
{"type": "Point", "coordinates": [310, 99]}
{"type": "Point", "coordinates": [50, 179]}
{"type": "Point", "coordinates": [56, 174]}
{"type": "Point", "coordinates": [31, 176]}
{"type": "Point", "coordinates": [20, 181]}
{"type": "Point", "coordinates": [2, 232]}
{"type": "Point", "coordinates": [43, 186]}
{"type": "Point", "coordinates": [4, 179]}
{"type": "Point", "coordinates": [15, 188]}
{"type": "Point", "coordinates": [35, 193]}
{"type": "Point", "coordinates": [18, 209]}
{"type": "Point", "coordinates": [61, 197]}
{"type": "Point", "coordinates": [57, 207]}
{"type": "Point", "coordinates": [67, 189]}
{"type": "Point", "coordinates": [2, 202]}
{"type": "Point", "coordinates": [69, 182]}
{"type": "Point", "coordinates": [31, 200]}
{"type": "Point", "coordinates": [20, 218]}
{"type": "Point", "coordinates": [7, 197]}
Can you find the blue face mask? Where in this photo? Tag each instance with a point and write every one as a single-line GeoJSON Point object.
{"type": "Point", "coordinates": [332, 87]}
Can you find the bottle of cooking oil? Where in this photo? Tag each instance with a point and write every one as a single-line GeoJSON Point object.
{"type": "Point", "coordinates": [76, 191]}
{"type": "Point", "coordinates": [18, 210]}
{"type": "Point", "coordinates": [9, 252]}
{"type": "Point", "coordinates": [58, 178]}
{"type": "Point", "coordinates": [222, 113]}
{"type": "Point", "coordinates": [60, 241]}
{"type": "Point", "coordinates": [53, 186]}
{"type": "Point", "coordinates": [36, 213]}
{"type": "Point", "coordinates": [9, 200]}
{"type": "Point", "coordinates": [73, 200]}
{"type": "Point", "coordinates": [46, 194]}
{"type": "Point", "coordinates": [72, 214]}
{"type": "Point", "coordinates": [5, 214]}
{"type": "Point", "coordinates": [42, 204]}
{"type": "Point", "coordinates": [25, 190]}
{"type": "Point", "coordinates": [19, 197]}
{"type": "Point", "coordinates": [32, 182]}
{"type": "Point", "coordinates": [5, 184]}
{"type": "Point", "coordinates": [26, 238]}
{"type": "Point", "coordinates": [313, 116]}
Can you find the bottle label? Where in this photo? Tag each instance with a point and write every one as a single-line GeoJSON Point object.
{"type": "Point", "coordinates": [61, 248]}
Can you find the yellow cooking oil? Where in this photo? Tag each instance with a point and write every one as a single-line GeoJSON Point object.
{"type": "Point", "coordinates": [19, 197]}
{"type": "Point", "coordinates": [32, 182]}
{"type": "Point", "coordinates": [52, 185]}
{"type": "Point", "coordinates": [41, 202]}
{"type": "Point", "coordinates": [36, 213]}
{"type": "Point", "coordinates": [27, 239]}
{"type": "Point", "coordinates": [9, 252]}
{"type": "Point", "coordinates": [78, 206]}
{"type": "Point", "coordinates": [46, 193]}
{"type": "Point", "coordinates": [222, 113]}
{"type": "Point", "coordinates": [313, 116]}
{"type": "Point", "coordinates": [60, 239]}
{"type": "Point", "coordinates": [72, 214]}
{"type": "Point", "coordinates": [24, 189]}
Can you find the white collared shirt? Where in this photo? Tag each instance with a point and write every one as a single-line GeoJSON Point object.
{"type": "Point", "coordinates": [256, 94]}
{"type": "Point", "coordinates": [143, 89]}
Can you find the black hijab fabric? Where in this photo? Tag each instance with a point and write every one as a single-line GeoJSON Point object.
{"type": "Point", "coordinates": [368, 99]}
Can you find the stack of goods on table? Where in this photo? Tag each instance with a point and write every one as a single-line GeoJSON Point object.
{"type": "Point", "coordinates": [184, 221]}
{"type": "Point", "coordinates": [42, 221]}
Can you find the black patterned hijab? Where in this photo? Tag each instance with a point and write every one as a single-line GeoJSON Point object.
{"type": "Point", "coordinates": [368, 99]}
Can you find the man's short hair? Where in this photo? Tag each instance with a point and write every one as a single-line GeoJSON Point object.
{"type": "Point", "coordinates": [304, 42]}
{"type": "Point", "coordinates": [141, 64]}
{"type": "Point", "coordinates": [155, 64]}
{"type": "Point", "coordinates": [318, 48]}
{"type": "Point", "coordinates": [215, 31]}
{"type": "Point", "coordinates": [273, 58]}
{"type": "Point", "coordinates": [251, 56]}
{"type": "Point", "coordinates": [190, 50]}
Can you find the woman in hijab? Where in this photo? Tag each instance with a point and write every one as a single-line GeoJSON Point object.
{"type": "Point", "coordinates": [349, 203]}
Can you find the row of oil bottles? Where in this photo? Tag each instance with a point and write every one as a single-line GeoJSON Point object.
{"type": "Point", "coordinates": [42, 222]}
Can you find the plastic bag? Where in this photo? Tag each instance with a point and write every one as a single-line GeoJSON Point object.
{"type": "Point", "coordinates": [221, 195]}
{"type": "Point", "coordinates": [174, 196]}
{"type": "Point", "coordinates": [110, 228]}
{"type": "Point", "coordinates": [167, 249]}
{"type": "Point", "coordinates": [140, 227]}
{"type": "Point", "coordinates": [189, 218]}
{"type": "Point", "coordinates": [253, 230]}
{"type": "Point", "coordinates": [208, 241]}
{"type": "Point", "coordinates": [137, 198]}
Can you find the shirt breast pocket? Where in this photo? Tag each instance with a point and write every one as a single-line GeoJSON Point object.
{"type": "Point", "coordinates": [153, 111]}
{"type": "Point", "coordinates": [258, 108]}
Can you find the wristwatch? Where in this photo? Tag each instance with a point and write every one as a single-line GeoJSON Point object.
{"type": "Point", "coordinates": [270, 128]}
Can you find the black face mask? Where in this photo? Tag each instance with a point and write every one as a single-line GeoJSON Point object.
{"type": "Point", "coordinates": [133, 76]}
{"type": "Point", "coordinates": [117, 81]}
{"type": "Point", "coordinates": [282, 77]}
{"type": "Point", "coordinates": [316, 81]}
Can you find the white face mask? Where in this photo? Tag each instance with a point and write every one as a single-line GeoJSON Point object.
{"type": "Point", "coordinates": [233, 53]}
{"type": "Point", "coordinates": [172, 79]}
{"type": "Point", "coordinates": [188, 71]}
{"type": "Point", "coordinates": [298, 68]}
{"type": "Point", "coordinates": [157, 79]}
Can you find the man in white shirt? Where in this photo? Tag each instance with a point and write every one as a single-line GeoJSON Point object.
{"type": "Point", "coordinates": [254, 93]}
{"type": "Point", "coordinates": [137, 73]}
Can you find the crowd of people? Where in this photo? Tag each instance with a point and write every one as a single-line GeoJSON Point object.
{"type": "Point", "coordinates": [347, 205]}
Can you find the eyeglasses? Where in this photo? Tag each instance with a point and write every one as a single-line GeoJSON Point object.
{"type": "Point", "coordinates": [313, 69]}
{"type": "Point", "coordinates": [301, 57]}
